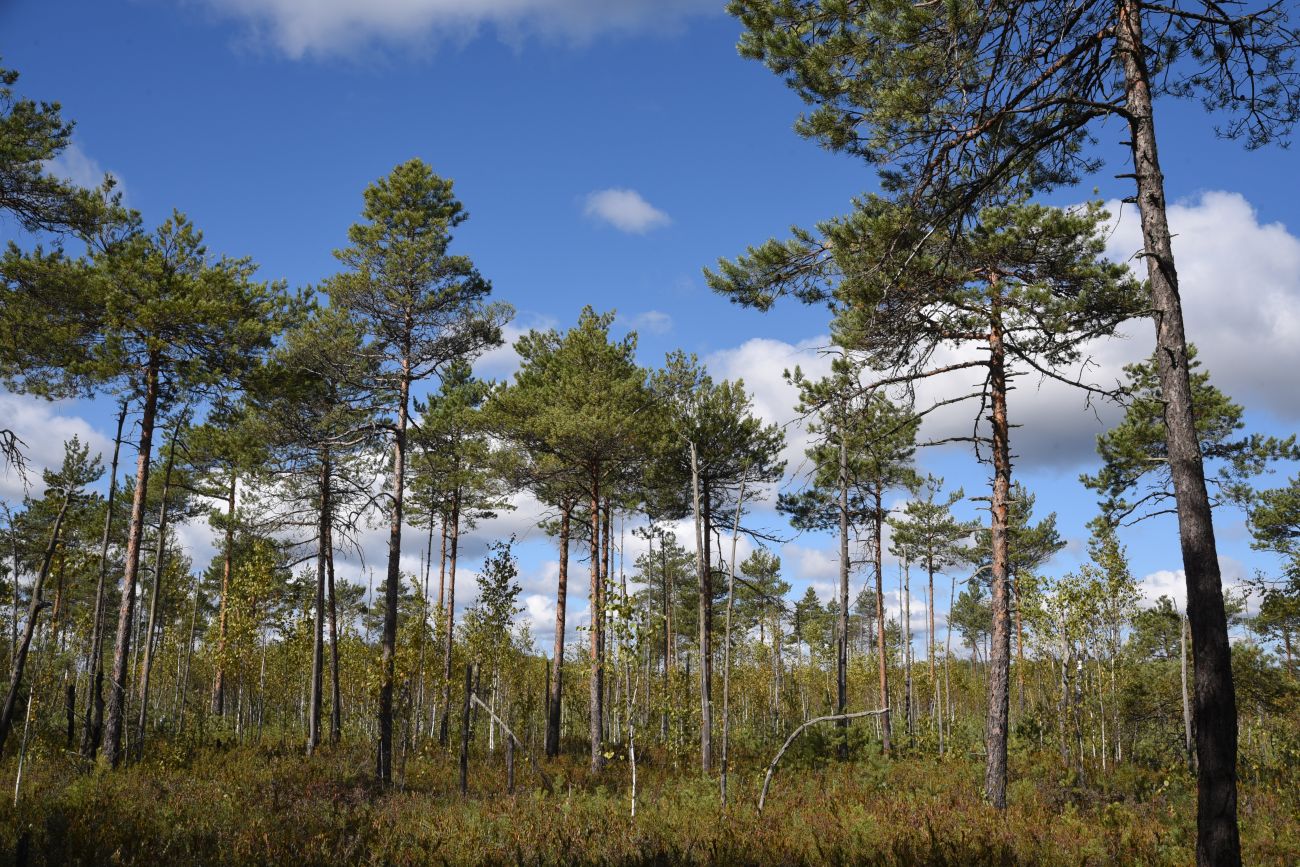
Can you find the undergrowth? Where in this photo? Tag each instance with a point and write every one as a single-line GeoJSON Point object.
{"type": "Point", "coordinates": [264, 806]}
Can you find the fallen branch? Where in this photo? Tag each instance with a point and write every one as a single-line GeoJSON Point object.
{"type": "Point", "coordinates": [767, 779]}
{"type": "Point", "coordinates": [546, 781]}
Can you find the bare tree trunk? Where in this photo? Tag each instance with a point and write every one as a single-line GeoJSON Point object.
{"type": "Point", "coordinates": [882, 657]}
{"type": "Point", "coordinates": [388, 652]}
{"type": "Point", "coordinates": [703, 566]}
{"type": "Point", "coordinates": [726, 644]}
{"type": "Point", "coordinates": [842, 639]}
{"type": "Point", "coordinates": [155, 593]}
{"type": "Point", "coordinates": [597, 621]}
{"type": "Point", "coordinates": [219, 682]}
{"type": "Point", "coordinates": [947, 657]}
{"type": "Point", "coordinates": [1215, 709]}
{"type": "Point", "coordinates": [935, 709]}
{"type": "Point", "coordinates": [909, 692]}
{"type": "Point", "coordinates": [336, 715]}
{"type": "Point", "coordinates": [115, 717]}
{"type": "Point", "coordinates": [94, 719]}
{"type": "Point", "coordinates": [318, 622]}
{"type": "Point", "coordinates": [445, 732]}
{"type": "Point", "coordinates": [556, 686]}
{"type": "Point", "coordinates": [996, 724]}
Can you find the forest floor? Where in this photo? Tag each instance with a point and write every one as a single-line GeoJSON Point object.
{"type": "Point", "coordinates": [260, 805]}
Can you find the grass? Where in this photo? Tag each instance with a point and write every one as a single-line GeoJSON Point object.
{"type": "Point", "coordinates": [266, 806]}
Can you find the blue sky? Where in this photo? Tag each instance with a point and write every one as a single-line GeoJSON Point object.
{"type": "Point", "coordinates": [606, 153]}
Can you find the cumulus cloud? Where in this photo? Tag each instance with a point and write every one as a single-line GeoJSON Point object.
{"type": "Point", "coordinates": [761, 363]}
{"type": "Point", "coordinates": [625, 210]}
{"type": "Point", "coordinates": [299, 28]}
{"type": "Point", "coordinates": [1240, 283]}
{"type": "Point", "coordinates": [1173, 583]}
{"type": "Point", "coordinates": [43, 426]}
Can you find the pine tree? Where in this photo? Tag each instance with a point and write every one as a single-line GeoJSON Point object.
{"type": "Point", "coordinates": [421, 308]}
{"type": "Point", "coordinates": [580, 399]}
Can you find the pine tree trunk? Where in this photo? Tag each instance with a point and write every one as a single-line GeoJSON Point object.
{"type": "Point", "coordinates": [726, 645]}
{"type": "Point", "coordinates": [906, 635]}
{"type": "Point", "coordinates": [227, 564]}
{"type": "Point", "coordinates": [555, 694]}
{"type": "Point", "coordinates": [318, 623]}
{"type": "Point", "coordinates": [842, 640]}
{"type": "Point", "coordinates": [1215, 705]}
{"type": "Point", "coordinates": [996, 723]}
{"type": "Point", "coordinates": [336, 704]}
{"type": "Point", "coordinates": [935, 710]}
{"type": "Point", "coordinates": [596, 718]}
{"type": "Point", "coordinates": [703, 567]}
{"type": "Point", "coordinates": [155, 593]}
{"type": "Point", "coordinates": [882, 658]}
{"type": "Point", "coordinates": [115, 716]}
{"type": "Point", "coordinates": [388, 652]}
{"type": "Point", "coordinates": [94, 720]}
{"type": "Point", "coordinates": [444, 733]}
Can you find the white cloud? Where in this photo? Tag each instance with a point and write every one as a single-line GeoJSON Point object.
{"type": "Point", "coordinates": [298, 28]}
{"type": "Point", "coordinates": [43, 426]}
{"type": "Point", "coordinates": [1173, 583]}
{"type": "Point", "coordinates": [625, 210]}
{"type": "Point", "coordinates": [76, 166]}
{"type": "Point", "coordinates": [651, 321]}
{"type": "Point", "coordinates": [761, 363]}
{"type": "Point", "coordinates": [1240, 284]}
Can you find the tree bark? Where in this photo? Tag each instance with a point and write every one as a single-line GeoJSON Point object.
{"type": "Point", "coordinates": [94, 720]}
{"type": "Point", "coordinates": [336, 704]}
{"type": "Point", "coordinates": [1215, 710]}
{"type": "Point", "coordinates": [882, 657]}
{"type": "Point", "coordinates": [726, 645]}
{"type": "Point", "coordinates": [155, 592]}
{"type": "Point", "coordinates": [227, 565]}
{"type": "Point", "coordinates": [996, 723]}
{"type": "Point", "coordinates": [705, 611]}
{"type": "Point", "coordinates": [842, 639]}
{"type": "Point", "coordinates": [388, 653]}
{"type": "Point", "coordinates": [115, 717]}
{"type": "Point", "coordinates": [596, 719]}
{"type": "Point", "coordinates": [318, 623]}
{"type": "Point", "coordinates": [555, 694]}
{"type": "Point", "coordinates": [444, 733]}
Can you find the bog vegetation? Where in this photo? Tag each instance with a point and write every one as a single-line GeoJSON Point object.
{"type": "Point", "coordinates": [257, 708]}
